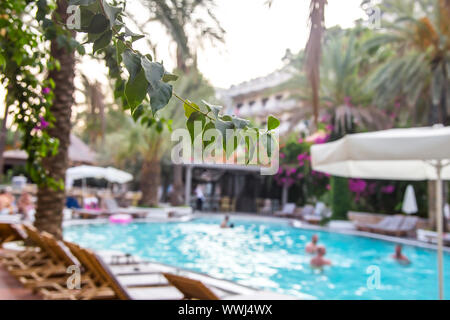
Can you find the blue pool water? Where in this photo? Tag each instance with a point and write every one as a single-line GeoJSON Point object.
{"type": "Point", "coordinates": [270, 255]}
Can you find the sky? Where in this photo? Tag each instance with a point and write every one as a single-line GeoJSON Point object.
{"type": "Point", "coordinates": [257, 36]}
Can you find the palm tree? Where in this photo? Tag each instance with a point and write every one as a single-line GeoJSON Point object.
{"type": "Point", "coordinates": [418, 74]}
{"type": "Point", "coordinates": [419, 32]}
{"type": "Point", "coordinates": [94, 117]}
{"type": "Point", "coordinates": [50, 203]}
{"type": "Point", "coordinates": [344, 68]}
{"type": "Point", "coordinates": [313, 51]}
{"type": "Point", "coordinates": [145, 146]}
{"type": "Point", "coordinates": [179, 16]}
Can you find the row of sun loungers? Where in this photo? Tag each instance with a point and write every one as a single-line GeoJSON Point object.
{"type": "Point", "coordinates": [400, 226]}
{"type": "Point", "coordinates": [63, 270]}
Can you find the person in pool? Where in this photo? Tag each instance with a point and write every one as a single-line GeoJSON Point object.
{"type": "Point", "coordinates": [319, 259]}
{"type": "Point", "coordinates": [225, 224]}
{"type": "Point", "coordinates": [311, 247]}
{"type": "Point", "coordinates": [399, 256]}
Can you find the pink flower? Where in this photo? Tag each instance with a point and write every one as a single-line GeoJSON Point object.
{"type": "Point", "coordinates": [357, 185]}
{"type": "Point", "coordinates": [300, 176]}
{"type": "Point", "coordinates": [300, 140]}
{"type": "Point", "coordinates": [46, 90]}
{"type": "Point", "coordinates": [328, 187]}
{"type": "Point", "coordinates": [42, 124]}
{"type": "Point", "coordinates": [282, 155]}
{"type": "Point", "coordinates": [388, 189]}
{"type": "Point", "coordinates": [330, 127]}
{"type": "Point", "coordinates": [320, 140]}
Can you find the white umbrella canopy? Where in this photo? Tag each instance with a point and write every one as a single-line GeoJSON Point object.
{"type": "Point", "coordinates": [396, 154]}
{"type": "Point", "coordinates": [111, 174]}
{"type": "Point", "coordinates": [409, 205]}
{"type": "Point", "coordinates": [116, 175]}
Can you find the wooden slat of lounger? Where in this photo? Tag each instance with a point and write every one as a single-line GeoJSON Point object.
{"type": "Point", "coordinates": [190, 288]}
{"type": "Point", "coordinates": [143, 280]}
{"type": "Point", "coordinates": [10, 232]}
{"type": "Point", "coordinates": [101, 268]}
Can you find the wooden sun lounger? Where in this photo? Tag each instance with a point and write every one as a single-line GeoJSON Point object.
{"type": "Point", "coordinates": [190, 288]}
{"type": "Point", "coordinates": [32, 256]}
{"type": "Point", "coordinates": [106, 279]}
{"type": "Point", "coordinates": [288, 210]}
{"type": "Point", "coordinates": [53, 265]}
{"type": "Point", "coordinates": [154, 290]}
{"type": "Point", "coordinates": [98, 287]}
{"type": "Point", "coordinates": [10, 232]}
{"type": "Point", "coordinates": [407, 226]}
{"type": "Point", "coordinates": [54, 274]}
{"type": "Point", "coordinates": [388, 228]}
{"type": "Point", "coordinates": [90, 213]}
{"type": "Point", "coordinates": [370, 227]}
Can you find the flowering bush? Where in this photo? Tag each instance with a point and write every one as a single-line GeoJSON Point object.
{"type": "Point", "coordinates": [308, 186]}
{"type": "Point", "coordinates": [295, 170]}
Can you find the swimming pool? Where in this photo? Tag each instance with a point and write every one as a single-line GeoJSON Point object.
{"type": "Point", "coordinates": [270, 255]}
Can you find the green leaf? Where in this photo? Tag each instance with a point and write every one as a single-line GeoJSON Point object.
{"type": "Point", "coordinates": [190, 123]}
{"type": "Point", "coordinates": [120, 48]}
{"type": "Point", "coordinates": [251, 147]}
{"type": "Point", "coordinates": [167, 77]}
{"type": "Point", "coordinates": [136, 90]}
{"type": "Point", "coordinates": [103, 40]}
{"type": "Point", "coordinates": [2, 61]}
{"type": "Point", "coordinates": [215, 109]}
{"type": "Point", "coordinates": [222, 126]}
{"type": "Point", "coordinates": [272, 123]}
{"type": "Point", "coordinates": [240, 123]}
{"type": "Point", "coordinates": [98, 24]}
{"type": "Point", "coordinates": [268, 142]}
{"type": "Point", "coordinates": [188, 109]}
{"type": "Point", "coordinates": [159, 91]}
{"type": "Point", "coordinates": [132, 62]}
{"type": "Point", "coordinates": [137, 112]}
{"type": "Point", "coordinates": [134, 36]}
{"type": "Point", "coordinates": [209, 125]}
{"type": "Point", "coordinates": [85, 18]}
{"type": "Point", "coordinates": [111, 13]}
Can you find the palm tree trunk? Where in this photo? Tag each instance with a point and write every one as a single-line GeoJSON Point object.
{"type": "Point", "coordinates": [150, 182]}
{"type": "Point", "coordinates": [176, 198]}
{"type": "Point", "coordinates": [50, 203]}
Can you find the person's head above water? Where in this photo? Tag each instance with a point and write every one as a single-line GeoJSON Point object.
{"type": "Point", "coordinates": [227, 218]}
{"type": "Point", "coordinates": [315, 238]}
{"type": "Point", "coordinates": [321, 251]}
{"type": "Point", "coordinates": [398, 250]}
